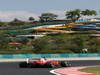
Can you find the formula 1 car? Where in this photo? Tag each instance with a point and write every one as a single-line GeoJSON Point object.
{"type": "Point", "coordinates": [42, 62]}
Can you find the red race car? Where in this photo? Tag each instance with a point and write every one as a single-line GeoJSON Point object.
{"type": "Point", "coordinates": [42, 62]}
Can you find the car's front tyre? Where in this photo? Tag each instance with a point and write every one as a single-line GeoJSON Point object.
{"type": "Point", "coordinates": [23, 65]}
{"type": "Point", "coordinates": [31, 65]}
{"type": "Point", "coordinates": [64, 64]}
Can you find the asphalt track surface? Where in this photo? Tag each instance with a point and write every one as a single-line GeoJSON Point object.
{"type": "Point", "coordinates": [13, 68]}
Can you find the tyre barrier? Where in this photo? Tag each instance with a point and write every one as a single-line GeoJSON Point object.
{"type": "Point", "coordinates": [11, 56]}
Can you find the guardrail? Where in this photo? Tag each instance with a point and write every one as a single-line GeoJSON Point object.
{"type": "Point", "coordinates": [13, 56]}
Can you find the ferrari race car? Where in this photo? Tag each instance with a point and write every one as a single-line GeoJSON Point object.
{"type": "Point", "coordinates": [42, 62]}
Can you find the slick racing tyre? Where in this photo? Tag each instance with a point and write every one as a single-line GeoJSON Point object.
{"type": "Point", "coordinates": [23, 65]}
{"type": "Point", "coordinates": [50, 65]}
{"type": "Point", "coordinates": [31, 65]}
{"type": "Point", "coordinates": [64, 64]}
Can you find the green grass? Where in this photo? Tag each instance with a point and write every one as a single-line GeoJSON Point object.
{"type": "Point", "coordinates": [95, 70]}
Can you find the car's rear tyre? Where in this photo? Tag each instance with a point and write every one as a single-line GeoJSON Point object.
{"type": "Point", "coordinates": [50, 65]}
{"type": "Point", "coordinates": [23, 65]}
